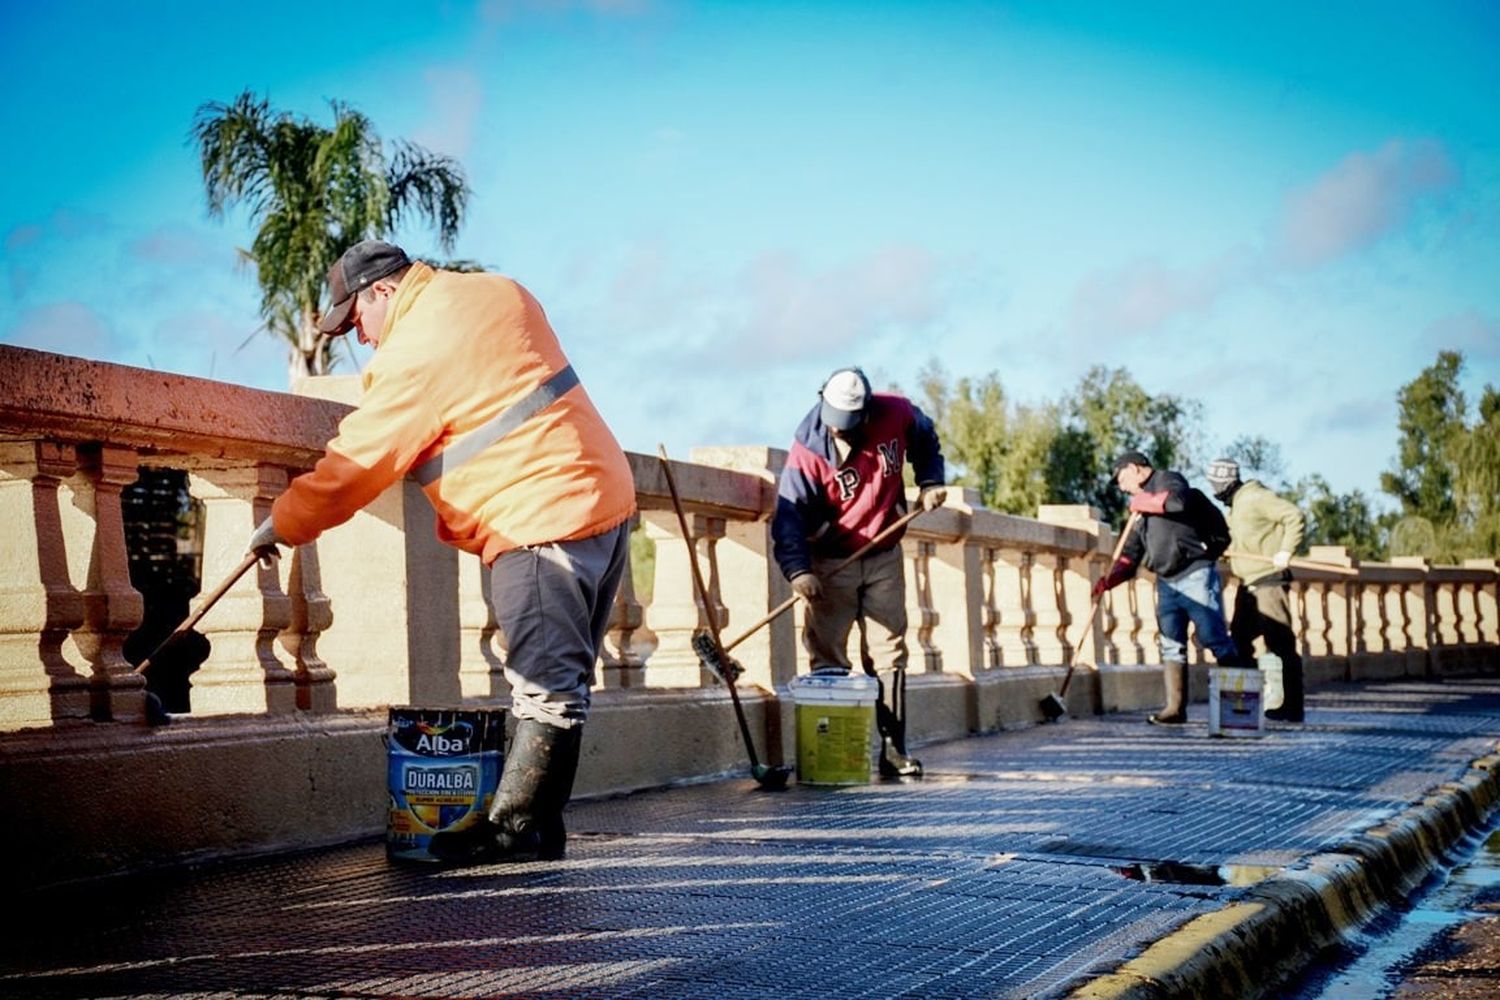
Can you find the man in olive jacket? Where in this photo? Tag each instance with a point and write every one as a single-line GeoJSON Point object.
{"type": "Point", "coordinates": [1263, 524]}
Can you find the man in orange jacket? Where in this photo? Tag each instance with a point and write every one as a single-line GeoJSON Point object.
{"type": "Point", "coordinates": [470, 393]}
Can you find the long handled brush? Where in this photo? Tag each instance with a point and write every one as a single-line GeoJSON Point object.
{"type": "Point", "coordinates": [1298, 562]}
{"type": "Point", "coordinates": [769, 777]}
{"type": "Point", "coordinates": [168, 665]}
{"type": "Point", "coordinates": [1053, 707]}
{"type": "Point", "coordinates": [785, 605]}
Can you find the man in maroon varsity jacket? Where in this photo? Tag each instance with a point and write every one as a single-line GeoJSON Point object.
{"type": "Point", "coordinates": [840, 488]}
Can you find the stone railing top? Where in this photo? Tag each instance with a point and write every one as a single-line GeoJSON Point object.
{"type": "Point", "coordinates": [44, 394]}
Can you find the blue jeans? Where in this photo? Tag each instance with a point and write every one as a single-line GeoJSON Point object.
{"type": "Point", "coordinates": [1197, 596]}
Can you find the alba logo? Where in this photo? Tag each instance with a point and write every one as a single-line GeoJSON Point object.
{"type": "Point", "coordinates": [429, 743]}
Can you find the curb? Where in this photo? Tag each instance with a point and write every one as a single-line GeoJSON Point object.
{"type": "Point", "coordinates": [1247, 948]}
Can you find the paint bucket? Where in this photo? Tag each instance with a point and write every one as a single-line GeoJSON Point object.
{"type": "Point", "coordinates": [443, 767]}
{"type": "Point", "coordinates": [835, 726]}
{"type": "Point", "coordinates": [1272, 694]}
{"type": "Point", "coordinates": [1235, 705]}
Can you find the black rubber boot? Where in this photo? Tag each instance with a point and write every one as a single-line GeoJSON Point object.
{"type": "Point", "coordinates": [894, 760]}
{"type": "Point", "coordinates": [538, 781]}
{"type": "Point", "coordinates": [1290, 709]}
{"type": "Point", "coordinates": [1174, 713]}
{"type": "Point", "coordinates": [525, 819]}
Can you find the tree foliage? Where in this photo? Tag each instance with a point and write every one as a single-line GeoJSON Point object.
{"type": "Point", "coordinates": [1019, 456]}
{"type": "Point", "coordinates": [1108, 413]}
{"type": "Point", "coordinates": [1346, 519]}
{"type": "Point", "coordinates": [1446, 476]}
{"type": "Point", "coordinates": [1447, 470]}
{"type": "Point", "coordinates": [311, 191]}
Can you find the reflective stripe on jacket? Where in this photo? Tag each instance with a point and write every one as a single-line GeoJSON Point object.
{"type": "Point", "coordinates": [459, 351]}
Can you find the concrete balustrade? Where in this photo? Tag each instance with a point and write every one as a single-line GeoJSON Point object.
{"type": "Point", "coordinates": [283, 743]}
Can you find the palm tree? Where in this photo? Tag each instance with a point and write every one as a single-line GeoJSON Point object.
{"type": "Point", "coordinates": [312, 191]}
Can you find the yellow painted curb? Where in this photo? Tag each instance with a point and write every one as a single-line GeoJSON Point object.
{"type": "Point", "coordinates": [1247, 948]}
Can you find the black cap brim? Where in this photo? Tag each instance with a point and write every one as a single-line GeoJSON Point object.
{"type": "Point", "coordinates": [337, 321]}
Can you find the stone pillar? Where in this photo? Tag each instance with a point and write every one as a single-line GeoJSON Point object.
{"type": "Point", "coordinates": [623, 659]}
{"type": "Point", "coordinates": [1487, 600]}
{"type": "Point", "coordinates": [926, 656]}
{"type": "Point", "coordinates": [1083, 642]}
{"type": "Point", "coordinates": [960, 573]}
{"type": "Point", "coordinates": [1393, 614]}
{"type": "Point", "coordinates": [244, 672]}
{"type": "Point", "coordinates": [1372, 613]}
{"type": "Point", "coordinates": [1416, 601]}
{"type": "Point", "coordinates": [1139, 596]}
{"type": "Point", "coordinates": [675, 611]}
{"type": "Point", "coordinates": [990, 603]}
{"type": "Point", "coordinates": [312, 613]}
{"type": "Point", "coordinates": [481, 646]}
{"type": "Point", "coordinates": [44, 678]}
{"type": "Point", "coordinates": [100, 569]}
{"type": "Point", "coordinates": [1013, 599]}
{"type": "Point", "coordinates": [750, 582]}
{"type": "Point", "coordinates": [1047, 606]}
{"type": "Point", "coordinates": [1448, 614]}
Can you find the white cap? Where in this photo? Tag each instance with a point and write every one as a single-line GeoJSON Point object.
{"type": "Point", "coordinates": [844, 397]}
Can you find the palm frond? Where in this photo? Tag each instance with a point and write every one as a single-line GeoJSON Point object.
{"type": "Point", "coordinates": [431, 184]}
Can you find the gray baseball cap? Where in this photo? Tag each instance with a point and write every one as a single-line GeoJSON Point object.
{"type": "Point", "coordinates": [361, 266]}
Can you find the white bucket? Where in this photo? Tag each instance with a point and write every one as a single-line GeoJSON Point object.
{"type": "Point", "coordinates": [1273, 694]}
{"type": "Point", "coordinates": [835, 726]}
{"type": "Point", "coordinates": [1235, 703]}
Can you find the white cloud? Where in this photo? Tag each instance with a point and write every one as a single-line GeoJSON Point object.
{"type": "Point", "coordinates": [1476, 335]}
{"type": "Point", "coordinates": [1145, 295]}
{"type": "Point", "coordinates": [791, 311]}
{"type": "Point", "coordinates": [62, 328]}
{"type": "Point", "coordinates": [498, 11]}
{"type": "Point", "coordinates": [455, 99]}
{"type": "Point", "coordinates": [1362, 199]}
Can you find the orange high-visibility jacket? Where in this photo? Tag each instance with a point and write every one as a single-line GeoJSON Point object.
{"type": "Point", "coordinates": [458, 351]}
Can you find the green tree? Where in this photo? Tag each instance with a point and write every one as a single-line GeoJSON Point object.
{"type": "Point", "coordinates": [1109, 413]}
{"type": "Point", "coordinates": [1447, 474]}
{"type": "Point", "coordinates": [311, 191]}
{"type": "Point", "coordinates": [1259, 458]}
{"type": "Point", "coordinates": [1431, 427]}
{"type": "Point", "coordinates": [989, 443]}
{"type": "Point", "coordinates": [1346, 519]}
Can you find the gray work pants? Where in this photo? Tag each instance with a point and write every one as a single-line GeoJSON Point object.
{"type": "Point", "coordinates": [552, 603]}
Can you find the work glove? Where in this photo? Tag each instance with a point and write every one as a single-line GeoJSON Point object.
{"type": "Point", "coordinates": [932, 497]}
{"type": "Point", "coordinates": [1282, 559]}
{"type": "Point", "coordinates": [807, 586]}
{"type": "Point", "coordinates": [263, 542]}
{"type": "Point", "coordinates": [1122, 570]}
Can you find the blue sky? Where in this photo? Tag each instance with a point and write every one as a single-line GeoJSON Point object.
{"type": "Point", "coordinates": [1281, 210]}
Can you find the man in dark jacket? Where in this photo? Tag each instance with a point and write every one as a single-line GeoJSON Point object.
{"type": "Point", "coordinates": [841, 487]}
{"type": "Point", "coordinates": [1179, 537]}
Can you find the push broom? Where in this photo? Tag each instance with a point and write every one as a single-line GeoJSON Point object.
{"type": "Point", "coordinates": [1053, 707]}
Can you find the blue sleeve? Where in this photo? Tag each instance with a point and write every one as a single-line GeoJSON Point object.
{"type": "Point", "coordinates": [796, 519]}
{"type": "Point", "coordinates": [924, 450]}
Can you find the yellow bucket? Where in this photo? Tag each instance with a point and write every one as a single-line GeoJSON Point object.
{"type": "Point", "coordinates": [835, 726]}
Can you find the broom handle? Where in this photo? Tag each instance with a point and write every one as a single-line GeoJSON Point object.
{"type": "Point", "coordinates": [1088, 621]}
{"type": "Point", "coordinates": [708, 609]}
{"type": "Point", "coordinates": [208, 602]}
{"type": "Point", "coordinates": [781, 608]}
{"type": "Point", "coordinates": [1298, 561]}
